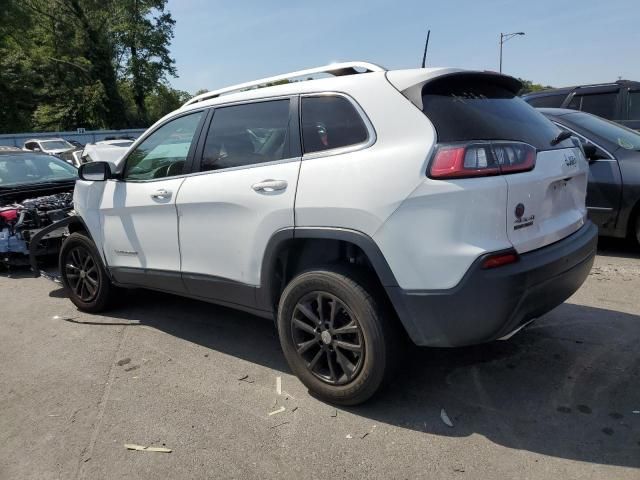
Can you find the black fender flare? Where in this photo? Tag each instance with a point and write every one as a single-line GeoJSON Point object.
{"type": "Point", "coordinates": [265, 292]}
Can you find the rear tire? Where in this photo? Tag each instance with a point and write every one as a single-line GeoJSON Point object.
{"type": "Point", "coordinates": [337, 338]}
{"type": "Point", "coordinates": [83, 275]}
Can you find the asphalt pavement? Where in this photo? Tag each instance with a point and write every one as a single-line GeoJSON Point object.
{"type": "Point", "coordinates": [560, 400]}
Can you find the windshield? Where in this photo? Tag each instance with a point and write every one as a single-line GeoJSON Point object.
{"type": "Point", "coordinates": [55, 144]}
{"type": "Point", "coordinates": [26, 169]}
{"type": "Point", "coordinates": [621, 136]}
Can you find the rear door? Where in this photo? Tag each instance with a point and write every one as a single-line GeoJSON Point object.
{"type": "Point", "coordinates": [249, 162]}
{"type": "Point", "coordinates": [546, 180]}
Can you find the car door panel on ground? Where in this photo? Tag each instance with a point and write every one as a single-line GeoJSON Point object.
{"type": "Point", "coordinates": [139, 218]}
{"type": "Point", "coordinates": [249, 161]}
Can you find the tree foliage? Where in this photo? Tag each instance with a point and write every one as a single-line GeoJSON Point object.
{"type": "Point", "coordinates": [66, 64]}
{"type": "Point", "coordinates": [528, 86]}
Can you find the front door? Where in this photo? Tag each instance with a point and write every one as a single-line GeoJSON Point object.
{"type": "Point", "coordinates": [245, 193]}
{"type": "Point", "coordinates": [138, 210]}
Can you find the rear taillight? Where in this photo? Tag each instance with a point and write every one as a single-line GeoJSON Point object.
{"type": "Point", "coordinates": [500, 259]}
{"type": "Point", "coordinates": [481, 159]}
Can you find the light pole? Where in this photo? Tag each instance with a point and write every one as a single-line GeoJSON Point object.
{"type": "Point", "coordinates": [503, 38]}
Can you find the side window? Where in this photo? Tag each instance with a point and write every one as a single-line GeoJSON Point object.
{"type": "Point", "coordinates": [634, 104]}
{"type": "Point", "coordinates": [164, 152]}
{"type": "Point", "coordinates": [247, 134]}
{"type": "Point", "coordinates": [547, 101]}
{"type": "Point", "coordinates": [600, 104]}
{"type": "Point", "coordinates": [330, 122]}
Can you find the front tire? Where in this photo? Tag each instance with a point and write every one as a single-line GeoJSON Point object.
{"type": "Point", "coordinates": [83, 276]}
{"type": "Point", "coordinates": [337, 338]}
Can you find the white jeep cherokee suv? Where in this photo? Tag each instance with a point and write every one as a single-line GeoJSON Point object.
{"type": "Point", "coordinates": [351, 209]}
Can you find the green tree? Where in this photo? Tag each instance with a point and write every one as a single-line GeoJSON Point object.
{"type": "Point", "coordinates": [142, 31]}
{"type": "Point", "coordinates": [164, 100]}
{"type": "Point", "coordinates": [528, 86]}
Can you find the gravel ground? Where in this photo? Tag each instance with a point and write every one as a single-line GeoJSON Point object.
{"type": "Point", "coordinates": [556, 401]}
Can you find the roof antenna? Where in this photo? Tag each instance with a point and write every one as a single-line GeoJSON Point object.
{"type": "Point", "coordinates": [426, 45]}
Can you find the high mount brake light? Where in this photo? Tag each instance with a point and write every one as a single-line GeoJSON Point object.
{"type": "Point", "coordinates": [482, 159]}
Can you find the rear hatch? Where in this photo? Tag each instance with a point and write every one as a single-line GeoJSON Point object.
{"type": "Point", "coordinates": [483, 129]}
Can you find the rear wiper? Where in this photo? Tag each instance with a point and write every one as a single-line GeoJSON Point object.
{"type": "Point", "coordinates": [560, 137]}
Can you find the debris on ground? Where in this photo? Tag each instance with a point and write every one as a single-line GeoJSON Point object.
{"type": "Point", "coordinates": [275, 412]}
{"type": "Point", "coordinates": [445, 418]}
{"type": "Point", "coordinates": [279, 385]}
{"type": "Point", "coordinates": [636, 412]}
{"type": "Point", "coordinates": [245, 378]}
{"type": "Point", "coordinates": [334, 414]}
{"type": "Point", "coordinates": [348, 435]}
{"type": "Point", "coordinates": [133, 367]}
{"type": "Point", "coordinates": [279, 425]}
{"type": "Point", "coordinates": [63, 317]}
{"type": "Point", "coordinates": [142, 448]}
{"type": "Point", "coordinates": [123, 361]}
{"type": "Point", "coordinates": [294, 409]}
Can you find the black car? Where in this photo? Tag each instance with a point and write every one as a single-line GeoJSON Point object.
{"type": "Point", "coordinates": [36, 190]}
{"type": "Point", "coordinates": [618, 101]}
{"type": "Point", "coordinates": [613, 151]}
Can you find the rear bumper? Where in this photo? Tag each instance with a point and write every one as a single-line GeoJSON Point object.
{"type": "Point", "coordinates": [489, 304]}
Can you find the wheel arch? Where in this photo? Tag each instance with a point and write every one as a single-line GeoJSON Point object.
{"type": "Point", "coordinates": [290, 251]}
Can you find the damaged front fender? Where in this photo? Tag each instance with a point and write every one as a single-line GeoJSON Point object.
{"type": "Point", "coordinates": [35, 247]}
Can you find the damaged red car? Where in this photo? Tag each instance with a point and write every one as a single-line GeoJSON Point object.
{"type": "Point", "coordinates": [36, 190]}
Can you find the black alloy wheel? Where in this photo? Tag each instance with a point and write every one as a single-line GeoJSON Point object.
{"type": "Point", "coordinates": [328, 337]}
{"type": "Point", "coordinates": [82, 274]}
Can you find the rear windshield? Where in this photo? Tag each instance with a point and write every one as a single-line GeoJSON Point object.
{"type": "Point", "coordinates": [473, 107]}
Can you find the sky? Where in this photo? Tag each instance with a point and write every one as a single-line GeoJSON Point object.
{"type": "Point", "coordinates": [567, 42]}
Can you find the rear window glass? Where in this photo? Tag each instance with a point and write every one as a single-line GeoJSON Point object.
{"type": "Point", "coordinates": [600, 104]}
{"type": "Point", "coordinates": [467, 108]}
{"type": "Point", "coordinates": [634, 105]}
{"type": "Point", "coordinates": [547, 101]}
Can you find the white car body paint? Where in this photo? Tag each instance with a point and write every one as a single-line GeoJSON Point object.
{"type": "Point", "coordinates": [225, 224]}
{"type": "Point", "coordinates": [429, 231]}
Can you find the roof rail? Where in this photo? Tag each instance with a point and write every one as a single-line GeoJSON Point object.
{"type": "Point", "coordinates": [337, 69]}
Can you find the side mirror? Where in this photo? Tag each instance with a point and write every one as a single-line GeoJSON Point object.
{"type": "Point", "coordinates": [590, 152]}
{"type": "Point", "coordinates": [95, 171]}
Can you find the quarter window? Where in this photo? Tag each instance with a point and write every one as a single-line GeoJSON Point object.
{"type": "Point", "coordinates": [330, 122]}
{"type": "Point", "coordinates": [164, 152]}
{"type": "Point", "coordinates": [249, 134]}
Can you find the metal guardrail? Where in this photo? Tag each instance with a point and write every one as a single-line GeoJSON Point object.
{"type": "Point", "coordinates": [89, 136]}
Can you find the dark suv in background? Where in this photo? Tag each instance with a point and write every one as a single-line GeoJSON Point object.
{"type": "Point", "coordinates": [618, 101]}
